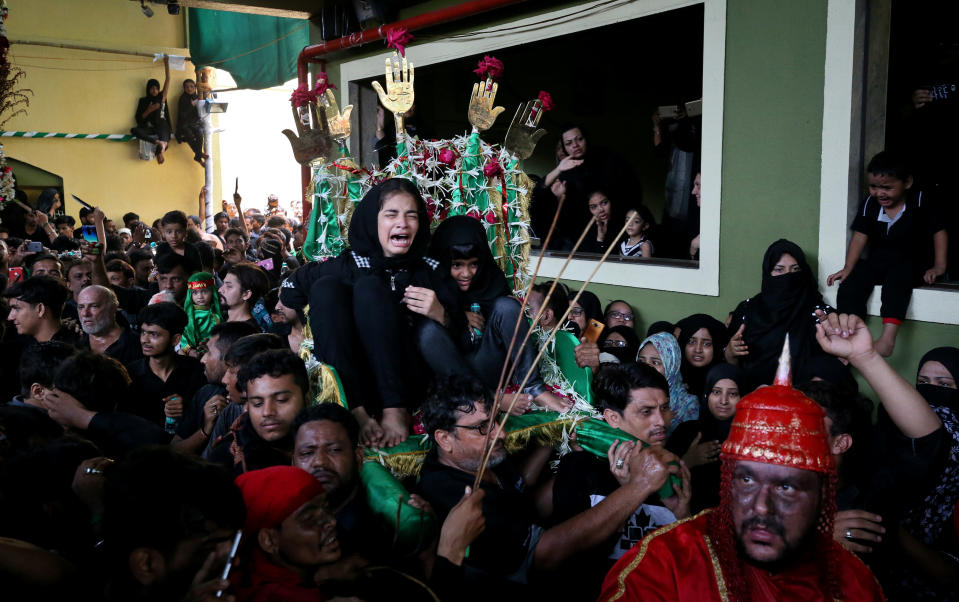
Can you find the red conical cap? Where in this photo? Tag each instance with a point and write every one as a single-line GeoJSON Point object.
{"type": "Point", "coordinates": [780, 425]}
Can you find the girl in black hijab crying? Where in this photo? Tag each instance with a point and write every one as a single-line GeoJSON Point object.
{"type": "Point", "coordinates": [152, 118]}
{"type": "Point", "coordinates": [476, 342]}
{"type": "Point", "coordinates": [369, 306]}
{"type": "Point", "coordinates": [788, 304]}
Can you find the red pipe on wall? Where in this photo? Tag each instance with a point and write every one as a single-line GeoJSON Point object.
{"type": "Point", "coordinates": [436, 17]}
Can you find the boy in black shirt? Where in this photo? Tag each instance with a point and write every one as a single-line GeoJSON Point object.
{"type": "Point", "coordinates": [163, 380]}
{"type": "Point", "coordinates": [898, 228]}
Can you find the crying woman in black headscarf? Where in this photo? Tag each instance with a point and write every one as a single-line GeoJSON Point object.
{"type": "Point", "coordinates": [485, 317]}
{"type": "Point", "coordinates": [370, 305]}
{"type": "Point", "coordinates": [788, 304]}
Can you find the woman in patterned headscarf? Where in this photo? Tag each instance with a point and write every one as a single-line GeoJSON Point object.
{"type": "Point", "coordinates": [661, 351]}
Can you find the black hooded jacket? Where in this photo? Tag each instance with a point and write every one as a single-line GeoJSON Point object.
{"type": "Point", "coordinates": [365, 256]}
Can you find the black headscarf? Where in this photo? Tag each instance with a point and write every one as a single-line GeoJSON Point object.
{"type": "Point", "coordinates": [463, 234]}
{"type": "Point", "coordinates": [363, 235]}
{"type": "Point", "coordinates": [693, 376]}
{"type": "Point", "coordinates": [144, 102]}
{"type": "Point", "coordinates": [660, 326]}
{"type": "Point", "coordinates": [45, 201]}
{"type": "Point", "coordinates": [592, 308]}
{"type": "Point", "coordinates": [711, 428]}
{"type": "Point", "coordinates": [187, 114]}
{"type": "Point", "coordinates": [624, 354]}
{"type": "Point", "coordinates": [947, 356]}
{"type": "Point", "coordinates": [829, 369]}
{"type": "Point", "coordinates": [932, 515]}
{"type": "Point", "coordinates": [784, 306]}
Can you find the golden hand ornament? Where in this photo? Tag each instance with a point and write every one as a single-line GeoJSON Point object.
{"type": "Point", "coordinates": [522, 136]}
{"type": "Point", "coordinates": [398, 97]}
{"type": "Point", "coordinates": [339, 123]}
{"type": "Point", "coordinates": [314, 141]}
{"type": "Point", "coordinates": [482, 113]}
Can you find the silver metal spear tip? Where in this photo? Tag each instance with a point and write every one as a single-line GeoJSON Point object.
{"type": "Point", "coordinates": [784, 375]}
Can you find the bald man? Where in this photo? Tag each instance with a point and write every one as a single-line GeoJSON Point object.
{"type": "Point", "coordinates": [97, 309]}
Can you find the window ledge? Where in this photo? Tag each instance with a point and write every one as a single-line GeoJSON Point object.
{"type": "Point", "coordinates": [939, 303]}
{"type": "Point", "coordinates": [929, 304]}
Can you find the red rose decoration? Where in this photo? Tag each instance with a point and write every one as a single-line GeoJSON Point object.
{"type": "Point", "coordinates": [490, 67]}
{"type": "Point", "coordinates": [302, 96]}
{"type": "Point", "coordinates": [546, 100]}
{"type": "Point", "coordinates": [492, 169]}
{"type": "Point", "coordinates": [322, 85]}
{"type": "Point", "coordinates": [490, 218]}
{"type": "Point", "coordinates": [447, 157]}
{"type": "Point", "coordinates": [399, 39]}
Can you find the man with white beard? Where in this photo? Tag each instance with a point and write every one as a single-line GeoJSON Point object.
{"type": "Point", "coordinates": [97, 309]}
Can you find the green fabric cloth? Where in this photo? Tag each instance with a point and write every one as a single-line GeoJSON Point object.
{"type": "Point", "coordinates": [216, 35]}
{"type": "Point", "coordinates": [389, 500]}
{"type": "Point", "coordinates": [595, 436]}
{"type": "Point", "coordinates": [580, 378]}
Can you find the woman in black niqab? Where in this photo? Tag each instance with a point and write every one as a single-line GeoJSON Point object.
{"type": "Point", "coordinates": [786, 304]}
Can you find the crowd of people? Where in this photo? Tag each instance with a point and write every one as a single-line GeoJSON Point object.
{"type": "Point", "coordinates": [161, 402]}
{"type": "Point", "coordinates": [590, 181]}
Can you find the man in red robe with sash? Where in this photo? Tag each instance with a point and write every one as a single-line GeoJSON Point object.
{"type": "Point", "coordinates": [771, 538]}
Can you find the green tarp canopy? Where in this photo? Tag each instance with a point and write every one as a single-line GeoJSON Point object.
{"type": "Point", "coordinates": [258, 51]}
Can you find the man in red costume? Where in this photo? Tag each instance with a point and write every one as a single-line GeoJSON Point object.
{"type": "Point", "coordinates": [771, 536]}
{"type": "Point", "coordinates": [291, 535]}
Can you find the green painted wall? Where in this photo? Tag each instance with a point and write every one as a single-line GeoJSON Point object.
{"type": "Point", "coordinates": [775, 54]}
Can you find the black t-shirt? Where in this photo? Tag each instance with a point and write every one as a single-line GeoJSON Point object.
{"type": "Point", "coordinates": [583, 481]}
{"type": "Point", "coordinates": [910, 237]}
{"type": "Point", "coordinates": [361, 532]}
{"type": "Point", "coordinates": [147, 390]}
{"type": "Point", "coordinates": [126, 349]}
{"type": "Point", "coordinates": [192, 418]}
{"type": "Point", "coordinates": [501, 557]}
{"type": "Point", "coordinates": [132, 300]}
{"type": "Point", "coordinates": [189, 252]}
{"type": "Point", "coordinates": [705, 477]}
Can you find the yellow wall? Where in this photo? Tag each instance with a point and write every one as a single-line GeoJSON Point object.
{"type": "Point", "coordinates": [78, 91]}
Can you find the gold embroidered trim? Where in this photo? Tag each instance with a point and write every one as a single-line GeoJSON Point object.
{"type": "Point", "coordinates": [621, 579]}
{"type": "Point", "coordinates": [717, 570]}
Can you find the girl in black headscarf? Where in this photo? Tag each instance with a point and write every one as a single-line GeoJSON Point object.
{"type": "Point", "coordinates": [49, 202]}
{"type": "Point", "coordinates": [698, 441]}
{"type": "Point", "coordinates": [476, 342]}
{"type": "Point", "coordinates": [787, 304]}
{"type": "Point", "coordinates": [609, 221]}
{"type": "Point", "coordinates": [369, 304]}
{"type": "Point", "coordinates": [153, 123]}
{"type": "Point", "coordinates": [620, 342]}
{"type": "Point", "coordinates": [587, 308]}
{"type": "Point", "coordinates": [702, 339]}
